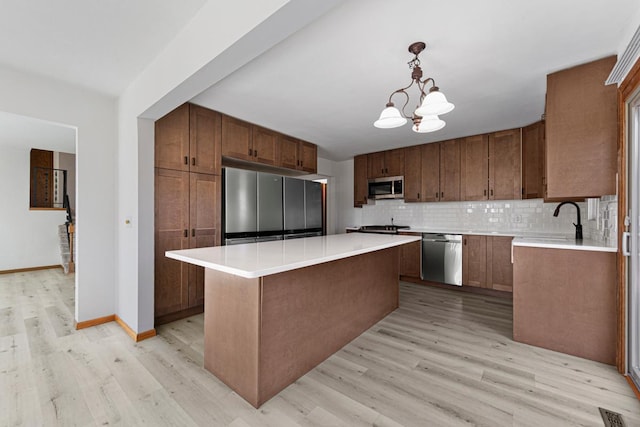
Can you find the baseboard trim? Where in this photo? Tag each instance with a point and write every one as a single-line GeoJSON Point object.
{"type": "Point", "coordinates": [22, 270]}
{"type": "Point", "coordinates": [135, 336]}
{"type": "Point", "coordinates": [95, 322]}
{"type": "Point", "coordinates": [633, 386]}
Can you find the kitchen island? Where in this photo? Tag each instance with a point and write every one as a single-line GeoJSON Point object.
{"type": "Point", "coordinates": [275, 310]}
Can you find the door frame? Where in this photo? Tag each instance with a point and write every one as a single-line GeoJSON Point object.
{"type": "Point", "coordinates": [626, 91]}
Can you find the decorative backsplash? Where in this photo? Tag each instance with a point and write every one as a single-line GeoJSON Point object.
{"type": "Point", "coordinates": [508, 215]}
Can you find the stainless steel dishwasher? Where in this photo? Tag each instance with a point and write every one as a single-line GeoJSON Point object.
{"type": "Point", "coordinates": [442, 258]}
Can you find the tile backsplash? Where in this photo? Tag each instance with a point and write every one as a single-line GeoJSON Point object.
{"type": "Point", "coordinates": [507, 215]}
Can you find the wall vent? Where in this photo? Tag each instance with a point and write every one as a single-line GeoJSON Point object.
{"type": "Point", "coordinates": [626, 61]}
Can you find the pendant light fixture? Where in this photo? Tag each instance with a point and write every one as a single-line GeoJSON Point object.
{"type": "Point", "coordinates": [430, 105]}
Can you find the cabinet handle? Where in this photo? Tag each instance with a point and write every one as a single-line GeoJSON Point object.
{"type": "Point", "coordinates": [492, 191]}
{"type": "Point", "coordinates": [186, 160]}
{"type": "Point", "coordinates": [382, 170]}
{"type": "Point", "coordinates": [436, 196]}
{"type": "Point", "coordinates": [250, 152]}
{"type": "Point", "coordinates": [193, 161]}
{"type": "Point", "coordinates": [185, 233]}
{"type": "Point", "coordinates": [386, 170]}
{"type": "Point", "coordinates": [442, 194]}
{"type": "Point", "coordinates": [465, 242]}
{"type": "Point", "coordinates": [193, 232]}
{"type": "Point", "coordinates": [485, 192]}
{"type": "Point", "coordinates": [418, 196]}
{"type": "Point", "coordinates": [301, 163]}
{"type": "Point", "coordinates": [255, 153]}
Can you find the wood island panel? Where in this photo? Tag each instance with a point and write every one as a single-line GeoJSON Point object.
{"type": "Point", "coordinates": [565, 300]}
{"type": "Point", "coordinates": [262, 334]}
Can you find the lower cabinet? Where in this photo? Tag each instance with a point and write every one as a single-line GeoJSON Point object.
{"type": "Point", "coordinates": [565, 300]}
{"type": "Point", "coordinates": [486, 262]}
{"type": "Point", "coordinates": [186, 216]}
{"type": "Point", "coordinates": [410, 259]}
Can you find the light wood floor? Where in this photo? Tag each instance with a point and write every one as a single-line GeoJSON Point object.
{"type": "Point", "coordinates": [444, 358]}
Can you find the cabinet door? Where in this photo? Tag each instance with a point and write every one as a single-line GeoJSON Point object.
{"type": "Point", "coordinates": [450, 170]}
{"type": "Point", "coordinates": [266, 144]}
{"type": "Point", "coordinates": [289, 152]}
{"type": "Point", "coordinates": [394, 162]}
{"type": "Point", "coordinates": [505, 182]}
{"type": "Point", "coordinates": [533, 161]}
{"type": "Point", "coordinates": [413, 174]}
{"type": "Point", "coordinates": [430, 164]}
{"type": "Point", "coordinates": [499, 267]}
{"type": "Point", "coordinates": [204, 137]}
{"type": "Point", "coordinates": [204, 208]}
{"type": "Point", "coordinates": [172, 140]}
{"type": "Point", "coordinates": [410, 260]}
{"type": "Point", "coordinates": [360, 183]}
{"type": "Point", "coordinates": [308, 155]}
{"type": "Point", "coordinates": [581, 132]}
{"type": "Point", "coordinates": [171, 233]}
{"type": "Point", "coordinates": [474, 261]}
{"type": "Point", "coordinates": [236, 138]}
{"type": "Point", "coordinates": [475, 167]}
{"type": "Point", "coordinates": [376, 165]}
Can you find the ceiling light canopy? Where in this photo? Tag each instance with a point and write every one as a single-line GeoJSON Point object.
{"type": "Point", "coordinates": [430, 106]}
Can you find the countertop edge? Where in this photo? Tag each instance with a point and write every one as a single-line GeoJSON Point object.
{"type": "Point", "coordinates": [588, 245]}
{"type": "Point", "coordinates": [253, 274]}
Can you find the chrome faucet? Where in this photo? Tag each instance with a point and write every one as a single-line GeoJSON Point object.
{"type": "Point", "coordinates": [578, 225]}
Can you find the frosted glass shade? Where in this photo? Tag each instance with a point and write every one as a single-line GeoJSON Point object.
{"type": "Point", "coordinates": [390, 118]}
{"type": "Point", "coordinates": [429, 124]}
{"type": "Point", "coordinates": [435, 103]}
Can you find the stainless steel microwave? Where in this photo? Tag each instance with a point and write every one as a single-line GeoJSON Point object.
{"type": "Point", "coordinates": [389, 187]}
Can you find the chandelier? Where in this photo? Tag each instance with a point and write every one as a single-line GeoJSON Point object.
{"type": "Point", "coordinates": [430, 106]}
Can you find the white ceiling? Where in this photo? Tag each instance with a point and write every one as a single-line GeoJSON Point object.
{"type": "Point", "coordinates": [101, 45]}
{"type": "Point", "coordinates": [328, 82]}
{"type": "Point", "coordinates": [25, 132]}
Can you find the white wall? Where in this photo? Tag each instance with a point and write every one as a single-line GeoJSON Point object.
{"type": "Point", "coordinates": [348, 216]}
{"type": "Point", "coordinates": [94, 116]}
{"type": "Point", "coordinates": [27, 238]}
{"type": "Point", "coordinates": [222, 37]}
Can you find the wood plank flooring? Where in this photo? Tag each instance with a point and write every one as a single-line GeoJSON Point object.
{"type": "Point", "coordinates": [444, 358]}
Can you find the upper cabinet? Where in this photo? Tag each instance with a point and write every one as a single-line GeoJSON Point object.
{"type": "Point", "coordinates": [581, 132]}
{"type": "Point", "coordinates": [475, 167]}
{"type": "Point", "coordinates": [449, 170]}
{"type": "Point", "coordinates": [188, 139]}
{"type": "Point", "coordinates": [360, 184]}
{"type": "Point", "coordinates": [533, 161]}
{"type": "Point", "coordinates": [386, 163]}
{"type": "Point", "coordinates": [432, 172]}
{"type": "Point", "coordinates": [252, 143]}
{"type": "Point", "coordinates": [505, 178]}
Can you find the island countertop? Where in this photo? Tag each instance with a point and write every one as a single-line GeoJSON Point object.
{"type": "Point", "coordinates": [253, 260]}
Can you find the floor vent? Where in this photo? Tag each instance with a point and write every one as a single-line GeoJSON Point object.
{"type": "Point", "coordinates": [611, 419]}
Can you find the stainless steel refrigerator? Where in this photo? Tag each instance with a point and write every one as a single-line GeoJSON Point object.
{"type": "Point", "coordinates": [253, 208]}
{"type": "Point", "coordinates": [302, 208]}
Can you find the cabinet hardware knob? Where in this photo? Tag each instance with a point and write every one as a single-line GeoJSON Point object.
{"type": "Point", "coordinates": [185, 233]}
{"type": "Point", "coordinates": [186, 160]}
{"type": "Point", "coordinates": [193, 161]}
{"type": "Point", "coordinates": [193, 232]}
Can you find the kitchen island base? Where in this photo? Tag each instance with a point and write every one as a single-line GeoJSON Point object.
{"type": "Point", "coordinates": [261, 334]}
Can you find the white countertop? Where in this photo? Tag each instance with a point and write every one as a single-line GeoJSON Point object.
{"type": "Point", "coordinates": [563, 243]}
{"type": "Point", "coordinates": [253, 260]}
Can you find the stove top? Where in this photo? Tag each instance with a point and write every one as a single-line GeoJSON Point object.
{"type": "Point", "coordinates": [384, 229]}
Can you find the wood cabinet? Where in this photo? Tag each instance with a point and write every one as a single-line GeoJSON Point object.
{"type": "Point", "coordinates": [491, 166]}
{"type": "Point", "coordinates": [187, 203]}
{"type": "Point", "coordinates": [422, 173]}
{"type": "Point", "coordinates": [248, 142]}
{"type": "Point", "coordinates": [187, 215]}
{"type": "Point", "coordinates": [360, 182]}
{"type": "Point", "coordinates": [474, 261]}
{"type": "Point", "coordinates": [505, 171]}
{"type": "Point", "coordinates": [188, 139]}
{"type": "Point", "coordinates": [474, 167]}
{"type": "Point", "coordinates": [297, 154]}
{"type": "Point", "coordinates": [386, 163]}
{"type": "Point", "coordinates": [565, 300]}
{"type": "Point", "coordinates": [581, 132]}
{"type": "Point", "coordinates": [486, 262]}
{"type": "Point", "coordinates": [413, 174]}
{"type": "Point", "coordinates": [533, 161]}
{"type": "Point", "coordinates": [449, 170]}
{"type": "Point", "coordinates": [410, 258]}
